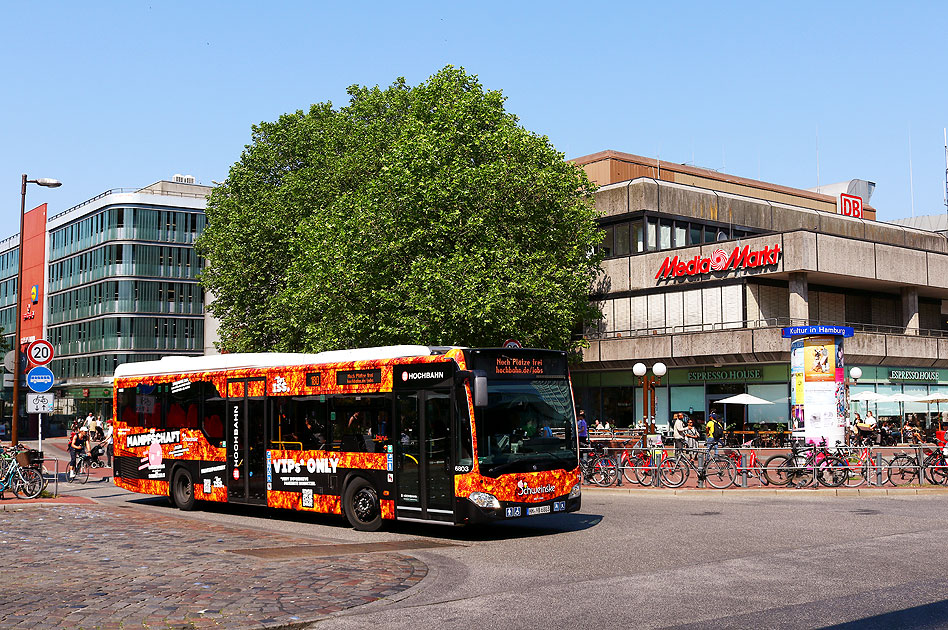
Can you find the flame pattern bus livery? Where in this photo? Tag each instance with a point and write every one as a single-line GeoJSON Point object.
{"type": "Point", "coordinates": [419, 433]}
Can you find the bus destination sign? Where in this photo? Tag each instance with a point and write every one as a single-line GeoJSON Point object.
{"type": "Point", "coordinates": [359, 377]}
{"type": "Point", "coordinates": [519, 364]}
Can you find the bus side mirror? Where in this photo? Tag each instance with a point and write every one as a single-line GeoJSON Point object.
{"type": "Point", "coordinates": [480, 391]}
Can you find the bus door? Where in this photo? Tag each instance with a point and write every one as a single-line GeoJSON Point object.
{"type": "Point", "coordinates": [424, 468]}
{"type": "Point", "coordinates": [246, 440]}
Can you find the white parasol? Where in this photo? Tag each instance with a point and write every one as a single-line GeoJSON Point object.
{"type": "Point", "coordinates": [743, 399]}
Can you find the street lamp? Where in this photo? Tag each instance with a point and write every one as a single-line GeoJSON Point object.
{"type": "Point", "coordinates": [48, 183]}
{"type": "Point", "coordinates": [855, 373]}
{"type": "Point", "coordinates": [648, 390]}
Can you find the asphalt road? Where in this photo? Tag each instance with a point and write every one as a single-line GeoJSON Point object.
{"type": "Point", "coordinates": [741, 559]}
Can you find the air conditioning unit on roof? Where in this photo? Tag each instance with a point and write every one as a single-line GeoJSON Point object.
{"type": "Point", "coordinates": [183, 179]}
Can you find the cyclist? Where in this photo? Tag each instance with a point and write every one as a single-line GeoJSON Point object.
{"type": "Point", "coordinates": [77, 445]}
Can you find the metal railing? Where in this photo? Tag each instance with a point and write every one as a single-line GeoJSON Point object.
{"type": "Point", "coordinates": [874, 466]}
{"type": "Point", "coordinates": [771, 322]}
{"type": "Point", "coordinates": [117, 191]}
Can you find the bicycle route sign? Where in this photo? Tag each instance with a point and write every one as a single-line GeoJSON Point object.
{"type": "Point", "coordinates": [40, 352]}
{"type": "Point", "coordinates": [40, 379]}
{"type": "Point", "coordinates": [39, 403]}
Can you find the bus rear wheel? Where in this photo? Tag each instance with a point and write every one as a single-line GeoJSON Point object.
{"type": "Point", "coordinates": [361, 504]}
{"type": "Point", "coordinates": [183, 490]}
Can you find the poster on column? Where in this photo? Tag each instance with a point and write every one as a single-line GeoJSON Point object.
{"type": "Point", "coordinates": [797, 422]}
{"type": "Point", "coordinates": [819, 359]}
{"type": "Point", "coordinates": [824, 390]}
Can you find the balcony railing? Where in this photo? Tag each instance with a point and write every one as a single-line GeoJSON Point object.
{"type": "Point", "coordinates": [772, 322]}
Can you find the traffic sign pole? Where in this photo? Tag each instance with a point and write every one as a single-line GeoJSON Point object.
{"type": "Point", "coordinates": [40, 352]}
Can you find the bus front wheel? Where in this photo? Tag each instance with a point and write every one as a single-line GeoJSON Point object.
{"type": "Point", "coordinates": [360, 502]}
{"type": "Point", "coordinates": [183, 490]}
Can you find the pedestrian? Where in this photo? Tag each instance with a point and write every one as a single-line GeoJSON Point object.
{"type": "Point", "coordinates": [691, 435]}
{"type": "Point", "coordinates": [107, 441]}
{"type": "Point", "coordinates": [715, 431]}
{"type": "Point", "coordinates": [582, 429]}
{"type": "Point", "coordinates": [679, 432]}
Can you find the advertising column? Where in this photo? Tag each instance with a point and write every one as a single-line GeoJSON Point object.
{"type": "Point", "coordinates": [818, 405]}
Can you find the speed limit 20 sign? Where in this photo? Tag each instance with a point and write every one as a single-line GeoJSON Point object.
{"type": "Point", "coordinates": [40, 352]}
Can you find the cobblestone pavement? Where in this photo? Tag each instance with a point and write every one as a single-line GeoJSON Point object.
{"type": "Point", "coordinates": [82, 566]}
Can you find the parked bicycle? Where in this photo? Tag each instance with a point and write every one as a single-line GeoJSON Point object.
{"type": "Point", "coordinates": [860, 466]}
{"type": "Point", "coordinates": [634, 462]}
{"type": "Point", "coordinates": [752, 468]}
{"type": "Point", "coordinates": [595, 468]}
{"type": "Point", "coordinates": [903, 470]}
{"type": "Point", "coordinates": [807, 465]}
{"type": "Point", "coordinates": [645, 464]}
{"type": "Point", "coordinates": [717, 471]}
{"type": "Point", "coordinates": [24, 481]}
{"type": "Point", "coordinates": [936, 466]}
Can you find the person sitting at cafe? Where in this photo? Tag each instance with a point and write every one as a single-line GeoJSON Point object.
{"type": "Point", "coordinates": [912, 432]}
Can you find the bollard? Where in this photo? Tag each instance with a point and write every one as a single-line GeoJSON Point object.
{"type": "Point", "coordinates": [878, 469]}
{"type": "Point", "coordinates": [743, 469]}
{"type": "Point", "coordinates": [618, 461]}
{"type": "Point", "coordinates": [701, 457]}
{"type": "Point", "coordinates": [919, 459]}
{"type": "Point", "coordinates": [657, 460]}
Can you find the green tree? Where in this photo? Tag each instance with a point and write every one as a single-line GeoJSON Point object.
{"type": "Point", "coordinates": [412, 215]}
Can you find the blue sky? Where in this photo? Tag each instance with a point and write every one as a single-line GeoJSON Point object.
{"type": "Point", "coordinates": [121, 94]}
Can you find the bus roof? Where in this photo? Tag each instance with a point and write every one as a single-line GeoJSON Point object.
{"type": "Point", "coordinates": [217, 362]}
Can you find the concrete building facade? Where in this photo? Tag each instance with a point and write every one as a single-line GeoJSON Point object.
{"type": "Point", "coordinates": [703, 270]}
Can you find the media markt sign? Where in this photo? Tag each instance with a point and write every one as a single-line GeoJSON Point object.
{"type": "Point", "coordinates": [720, 261]}
{"type": "Point", "coordinates": [924, 376]}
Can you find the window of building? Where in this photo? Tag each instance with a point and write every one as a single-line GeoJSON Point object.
{"type": "Point", "coordinates": [607, 239]}
{"type": "Point", "coordinates": [665, 234]}
{"type": "Point", "coordinates": [622, 239]}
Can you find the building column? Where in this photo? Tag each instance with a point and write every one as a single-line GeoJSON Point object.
{"type": "Point", "coordinates": [910, 310]}
{"type": "Point", "coordinates": [799, 299]}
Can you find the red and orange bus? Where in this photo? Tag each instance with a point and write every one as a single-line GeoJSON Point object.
{"type": "Point", "coordinates": [442, 434]}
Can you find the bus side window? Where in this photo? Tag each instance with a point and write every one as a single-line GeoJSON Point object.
{"type": "Point", "coordinates": [313, 429]}
{"type": "Point", "coordinates": [128, 411]}
{"type": "Point", "coordinates": [213, 428]}
{"type": "Point", "coordinates": [214, 410]}
{"type": "Point", "coordinates": [177, 417]}
{"type": "Point", "coordinates": [464, 448]}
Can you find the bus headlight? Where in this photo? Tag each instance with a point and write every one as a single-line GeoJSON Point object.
{"type": "Point", "coordinates": [484, 500]}
{"type": "Point", "coordinates": [575, 492]}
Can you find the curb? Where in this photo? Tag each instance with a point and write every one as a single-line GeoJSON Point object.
{"type": "Point", "coordinates": [63, 499]}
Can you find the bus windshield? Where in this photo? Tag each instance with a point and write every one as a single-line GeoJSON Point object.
{"type": "Point", "coordinates": [527, 426]}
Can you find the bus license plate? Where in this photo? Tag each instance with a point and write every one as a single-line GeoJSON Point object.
{"type": "Point", "coordinates": [540, 509]}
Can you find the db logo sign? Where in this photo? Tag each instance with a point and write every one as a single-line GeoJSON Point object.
{"type": "Point", "coordinates": [850, 205]}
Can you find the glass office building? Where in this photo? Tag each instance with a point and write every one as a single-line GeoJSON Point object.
{"type": "Point", "coordinates": [121, 286]}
